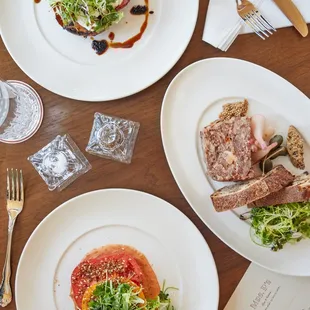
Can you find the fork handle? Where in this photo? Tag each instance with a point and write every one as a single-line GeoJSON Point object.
{"type": "Point", "coordinates": [5, 287]}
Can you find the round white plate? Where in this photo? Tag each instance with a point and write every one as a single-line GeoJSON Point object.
{"type": "Point", "coordinates": [66, 64]}
{"type": "Point", "coordinates": [193, 100]}
{"type": "Point", "coordinates": [172, 244]}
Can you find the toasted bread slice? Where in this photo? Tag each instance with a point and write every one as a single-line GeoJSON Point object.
{"type": "Point", "coordinates": [298, 191]}
{"type": "Point", "coordinates": [241, 194]}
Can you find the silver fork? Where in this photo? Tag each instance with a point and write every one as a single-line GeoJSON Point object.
{"type": "Point", "coordinates": [253, 18]}
{"type": "Point", "coordinates": [15, 203]}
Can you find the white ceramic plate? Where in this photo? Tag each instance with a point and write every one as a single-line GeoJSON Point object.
{"type": "Point", "coordinates": [66, 64]}
{"type": "Point", "coordinates": [172, 244]}
{"type": "Point", "coordinates": [193, 100]}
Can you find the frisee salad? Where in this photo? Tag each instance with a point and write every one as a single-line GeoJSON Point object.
{"type": "Point", "coordinates": [275, 226]}
{"type": "Point", "coordinates": [94, 15]}
{"type": "Point", "coordinates": [111, 295]}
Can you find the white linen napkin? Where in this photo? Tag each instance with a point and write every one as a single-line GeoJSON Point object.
{"type": "Point", "coordinates": [223, 23]}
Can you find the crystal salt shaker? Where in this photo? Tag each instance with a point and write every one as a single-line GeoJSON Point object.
{"type": "Point", "coordinates": [60, 163]}
{"type": "Point", "coordinates": [113, 138]}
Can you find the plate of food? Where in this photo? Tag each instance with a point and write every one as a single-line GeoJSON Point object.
{"type": "Point", "coordinates": [115, 250]}
{"type": "Point", "coordinates": [246, 135]}
{"type": "Point", "coordinates": [97, 50]}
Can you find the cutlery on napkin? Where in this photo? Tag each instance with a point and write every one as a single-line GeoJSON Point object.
{"type": "Point", "coordinates": [223, 23]}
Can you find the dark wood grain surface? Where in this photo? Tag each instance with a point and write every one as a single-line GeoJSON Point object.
{"type": "Point", "coordinates": [286, 53]}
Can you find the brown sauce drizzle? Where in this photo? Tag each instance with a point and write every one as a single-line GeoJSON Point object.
{"type": "Point", "coordinates": [57, 16]}
{"type": "Point", "coordinates": [59, 20]}
{"type": "Point", "coordinates": [102, 46]}
{"type": "Point", "coordinates": [111, 36]}
{"type": "Point", "coordinates": [131, 42]}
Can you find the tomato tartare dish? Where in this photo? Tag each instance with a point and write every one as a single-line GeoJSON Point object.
{"type": "Point", "coordinates": [117, 277]}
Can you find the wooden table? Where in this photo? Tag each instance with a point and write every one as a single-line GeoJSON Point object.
{"type": "Point", "coordinates": [286, 53]}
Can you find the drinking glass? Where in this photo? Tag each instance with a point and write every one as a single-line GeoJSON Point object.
{"type": "Point", "coordinates": [21, 111]}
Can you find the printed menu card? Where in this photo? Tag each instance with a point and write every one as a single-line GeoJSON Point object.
{"type": "Point", "coordinates": [261, 289]}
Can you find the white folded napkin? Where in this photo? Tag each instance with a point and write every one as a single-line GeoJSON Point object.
{"type": "Point", "coordinates": [223, 23]}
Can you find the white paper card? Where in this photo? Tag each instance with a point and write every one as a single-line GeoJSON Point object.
{"type": "Point", "coordinates": [261, 289]}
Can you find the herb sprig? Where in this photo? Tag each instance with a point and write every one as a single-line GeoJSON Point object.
{"type": "Point", "coordinates": [275, 226]}
{"type": "Point", "coordinates": [163, 301]}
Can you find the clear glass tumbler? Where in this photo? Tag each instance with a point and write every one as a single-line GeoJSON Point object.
{"type": "Point", "coordinates": [21, 111]}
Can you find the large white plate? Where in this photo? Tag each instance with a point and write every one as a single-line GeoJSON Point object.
{"type": "Point", "coordinates": [193, 100]}
{"type": "Point", "coordinates": [173, 245]}
{"type": "Point", "coordinates": [66, 64]}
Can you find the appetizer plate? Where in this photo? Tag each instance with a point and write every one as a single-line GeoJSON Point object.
{"type": "Point", "coordinates": [66, 64]}
{"type": "Point", "coordinates": [180, 256]}
{"type": "Point", "coordinates": [193, 100]}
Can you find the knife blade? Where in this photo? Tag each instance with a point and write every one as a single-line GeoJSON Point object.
{"type": "Point", "coordinates": [293, 14]}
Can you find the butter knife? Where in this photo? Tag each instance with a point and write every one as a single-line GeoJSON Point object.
{"type": "Point", "coordinates": [293, 14]}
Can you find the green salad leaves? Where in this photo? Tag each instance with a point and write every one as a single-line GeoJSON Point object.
{"type": "Point", "coordinates": [95, 15]}
{"type": "Point", "coordinates": [123, 296]}
{"type": "Point", "coordinates": [275, 226]}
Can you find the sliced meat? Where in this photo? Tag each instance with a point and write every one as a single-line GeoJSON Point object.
{"type": "Point", "coordinates": [299, 191]}
{"type": "Point", "coordinates": [241, 194]}
{"type": "Point", "coordinates": [227, 150]}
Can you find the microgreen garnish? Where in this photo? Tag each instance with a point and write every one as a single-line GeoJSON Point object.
{"type": "Point", "coordinates": [111, 295]}
{"type": "Point", "coordinates": [163, 301]}
{"type": "Point", "coordinates": [275, 226]}
{"type": "Point", "coordinates": [98, 15]}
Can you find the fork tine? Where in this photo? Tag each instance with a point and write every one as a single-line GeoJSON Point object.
{"type": "Point", "coordinates": [8, 185]}
{"type": "Point", "coordinates": [21, 185]}
{"type": "Point", "coordinates": [257, 24]}
{"type": "Point", "coordinates": [254, 19]}
{"type": "Point", "coordinates": [17, 185]}
{"type": "Point", "coordinates": [250, 24]}
{"type": "Point", "coordinates": [263, 23]}
{"type": "Point", "coordinates": [266, 21]}
{"type": "Point", "coordinates": [13, 184]}
{"type": "Point", "coordinates": [250, 20]}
